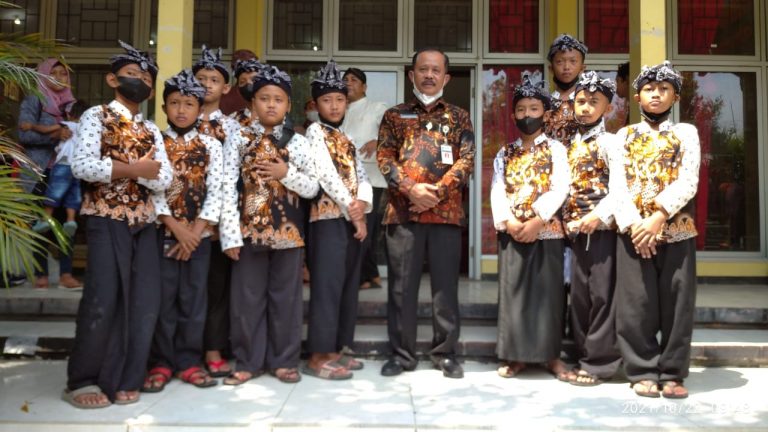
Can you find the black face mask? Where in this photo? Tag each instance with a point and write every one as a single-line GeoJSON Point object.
{"type": "Point", "coordinates": [246, 91]}
{"type": "Point", "coordinates": [565, 85]}
{"type": "Point", "coordinates": [133, 89]}
{"type": "Point", "coordinates": [330, 123]}
{"type": "Point", "coordinates": [653, 118]}
{"type": "Point", "coordinates": [529, 125]}
{"type": "Point", "coordinates": [182, 131]}
{"type": "Point", "coordinates": [583, 127]}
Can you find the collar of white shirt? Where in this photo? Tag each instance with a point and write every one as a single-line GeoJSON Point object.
{"type": "Point", "coordinates": [187, 136]}
{"type": "Point", "coordinates": [125, 112]}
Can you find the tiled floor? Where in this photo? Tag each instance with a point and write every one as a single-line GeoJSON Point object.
{"type": "Point", "coordinates": [421, 400]}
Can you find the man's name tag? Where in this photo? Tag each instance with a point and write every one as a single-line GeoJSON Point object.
{"type": "Point", "coordinates": [408, 115]}
{"type": "Point", "coordinates": [446, 152]}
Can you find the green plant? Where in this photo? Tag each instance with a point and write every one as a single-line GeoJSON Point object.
{"type": "Point", "coordinates": [18, 243]}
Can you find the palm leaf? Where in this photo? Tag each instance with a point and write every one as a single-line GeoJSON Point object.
{"type": "Point", "coordinates": [18, 209]}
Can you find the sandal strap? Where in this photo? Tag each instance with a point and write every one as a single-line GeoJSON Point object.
{"type": "Point", "coordinates": [189, 374]}
{"type": "Point", "coordinates": [89, 389]}
{"type": "Point", "coordinates": [329, 369]}
{"type": "Point", "coordinates": [162, 371]}
{"type": "Point", "coordinates": [216, 363]}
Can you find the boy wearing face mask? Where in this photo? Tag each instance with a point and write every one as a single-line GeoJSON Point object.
{"type": "Point", "coordinates": [245, 71]}
{"type": "Point", "coordinates": [214, 76]}
{"type": "Point", "coordinates": [656, 251]}
{"type": "Point", "coordinates": [588, 218]}
{"type": "Point", "coordinates": [529, 185]}
{"type": "Point", "coordinates": [122, 159]}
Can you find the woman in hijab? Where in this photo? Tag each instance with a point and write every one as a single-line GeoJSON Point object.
{"type": "Point", "coordinates": [39, 132]}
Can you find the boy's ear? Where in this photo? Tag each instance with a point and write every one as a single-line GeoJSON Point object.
{"type": "Point", "coordinates": [112, 81]}
{"type": "Point", "coordinates": [226, 89]}
{"type": "Point", "coordinates": [608, 108]}
{"type": "Point", "coordinates": [164, 110]}
{"type": "Point", "coordinates": [151, 94]}
{"type": "Point", "coordinates": [637, 97]}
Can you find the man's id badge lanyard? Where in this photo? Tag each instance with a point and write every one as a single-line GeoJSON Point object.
{"type": "Point", "coordinates": [446, 151]}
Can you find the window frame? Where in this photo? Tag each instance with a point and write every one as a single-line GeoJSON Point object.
{"type": "Point", "coordinates": [302, 55]}
{"type": "Point", "coordinates": [673, 38]}
{"type": "Point", "coordinates": [582, 34]}
{"type": "Point", "coordinates": [457, 57]}
{"type": "Point", "coordinates": [524, 58]}
{"type": "Point", "coordinates": [401, 34]}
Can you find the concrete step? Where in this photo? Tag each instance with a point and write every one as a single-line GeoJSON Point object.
{"type": "Point", "coordinates": [711, 347]}
{"type": "Point", "coordinates": [727, 304]}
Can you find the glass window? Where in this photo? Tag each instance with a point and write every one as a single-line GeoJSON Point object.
{"type": "Point", "coordinates": [723, 107]}
{"type": "Point", "coordinates": [24, 19]}
{"type": "Point", "coordinates": [210, 17]}
{"type": "Point", "coordinates": [445, 24]}
{"type": "Point", "coordinates": [498, 129]}
{"type": "Point", "coordinates": [94, 23]}
{"type": "Point", "coordinates": [368, 25]}
{"type": "Point", "coordinates": [606, 26]}
{"type": "Point", "coordinates": [298, 25]}
{"type": "Point", "coordinates": [88, 84]}
{"type": "Point", "coordinates": [725, 27]}
{"type": "Point", "coordinates": [513, 26]}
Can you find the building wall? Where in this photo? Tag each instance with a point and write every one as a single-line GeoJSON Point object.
{"type": "Point", "coordinates": [721, 47]}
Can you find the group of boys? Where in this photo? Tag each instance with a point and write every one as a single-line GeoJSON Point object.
{"type": "Point", "coordinates": [153, 202]}
{"type": "Point", "coordinates": [225, 194]}
{"type": "Point", "coordinates": [624, 205]}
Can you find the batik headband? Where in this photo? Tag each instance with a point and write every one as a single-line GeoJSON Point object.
{"type": "Point", "coordinates": [566, 42]}
{"type": "Point", "coordinates": [328, 79]}
{"type": "Point", "coordinates": [271, 75]}
{"type": "Point", "coordinates": [211, 60]}
{"type": "Point", "coordinates": [529, 89]}
{"type": "Point", "coordinates": [660, 72]}
{"type": "Point", "coordinates": [249, 65]}
{"type": "Point", "coordinates": [185, 83]}
{"type": "Point", "coordinates": [141, 58]}
{"type": "Point", "coordinates": [592, 82]}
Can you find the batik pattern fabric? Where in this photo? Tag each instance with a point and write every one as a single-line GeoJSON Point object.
{"type": "Point", "coordinates": [661, 170]}
{"type": "Point", "coordinates": [195, 191]}
{"type": "Point", "coordinates": [339, 171]}
{"type": "Point", "coordinates": [110, 133]}
{"type": "Point", "coordinates": [268, 213]}
{"type": "Point", "coordinates": [529, 183]}
{"type": "Point", "coordinates": [218, 126]}
{"type": "Point", "coordinates": [589, 164]}
{"type": "Point", "coordinates": [409, 153]}
{"type": "Point", "coordinates": [243, 117]}
{"type": "Point", "coordinates": [561, 124]}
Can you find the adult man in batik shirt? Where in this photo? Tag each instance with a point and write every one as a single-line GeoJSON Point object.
{"type": "Point", "coordinates": [426, 154]}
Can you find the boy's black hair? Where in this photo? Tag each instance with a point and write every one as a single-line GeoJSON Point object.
{"type": "Point", "coordinates": [430, 49]}
{"type": "Point", "coordinates": [74, 109]}
{"type": "Point", "coordinates": [623, 71]}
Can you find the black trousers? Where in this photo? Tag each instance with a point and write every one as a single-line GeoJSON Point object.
{"type": "Point", "coordinates": [178, 340]}
{"type": "Point", "coordinates": [118, 310]}
{"type": "Point", "coordinates": [655, 295]}
{"type": "Point", "coordinates": [370, 268]}
{"type": "Point", "coordinates": [407, 245]}
{"type": "Point", "coordinates": [334, 257]}
{"type": "Point", "coordinates": [531, 300]}
{"type": "Point", "coordinates": [216, 333]}
{"type": "Point", "coordinates": [593, 310]}
{"type": "Point", "coordinates": [266, 309]}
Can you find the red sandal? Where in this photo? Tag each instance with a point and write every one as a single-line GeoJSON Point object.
{"type": "Point", "coordinates": [217, 364]}
{"type": "Point", "coordinates": [156, 379]}
{"type": "Point", "coordinates": [197, 376]}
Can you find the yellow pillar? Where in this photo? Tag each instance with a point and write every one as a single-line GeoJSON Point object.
{"type": "Point", "coordinates": [174, 46]}
{"type": "Point", "coordinates": [647, 41]}
{"type": "Point", "coordinates": [563, 18]}
{"type": "Point", "coordinates": [249, 25]}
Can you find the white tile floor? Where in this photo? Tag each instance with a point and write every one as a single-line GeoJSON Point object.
{"type": "Point", "coordinates": [421, 400]}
